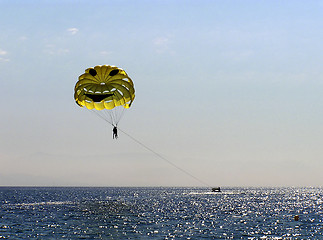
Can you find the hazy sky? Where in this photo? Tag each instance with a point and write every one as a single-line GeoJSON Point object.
{"type": "Point", "coordinates": [230, 91]}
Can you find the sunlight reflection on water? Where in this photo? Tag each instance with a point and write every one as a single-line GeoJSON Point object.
{"type": "Point", "coordinates": [162, 213]}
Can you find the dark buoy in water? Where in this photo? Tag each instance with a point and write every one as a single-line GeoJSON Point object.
{"type": "Point", "coordinates": [296, 217]}
{"type": "Point", "coordinates": [216, 189]}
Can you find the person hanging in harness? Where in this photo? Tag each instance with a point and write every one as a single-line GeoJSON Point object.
{"type": "Point", "coordinates": [115, 132]}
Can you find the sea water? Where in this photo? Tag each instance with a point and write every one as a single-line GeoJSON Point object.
{"type": "Point", "coordinates": [160, 213]}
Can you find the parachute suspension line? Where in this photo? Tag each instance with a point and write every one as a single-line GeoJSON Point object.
{"type": "Point", "coordinates": [99, 115]}
{"type": "Point", "coordinates": [148, 148]}
{"type": "Point", "coordinates": [117, 113]}
{"type": "Point", "coordinates": [107, 116]}
{"type": "Point", "coordinates": [165, 159]}
{"type": "Point", "coordinates": [122, 112]}
{"type": "Point", "coordinates": [110, 114]}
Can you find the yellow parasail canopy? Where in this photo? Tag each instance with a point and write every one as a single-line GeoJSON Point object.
{"type": "Point", "coordinates": [104, 87]}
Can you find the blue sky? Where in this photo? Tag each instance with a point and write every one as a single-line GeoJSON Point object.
{"type": "Point", "coordinates": [230, 91]}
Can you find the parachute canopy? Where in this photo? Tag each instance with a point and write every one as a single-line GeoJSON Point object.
{"type": "Point", "coordinates": [106, 88]}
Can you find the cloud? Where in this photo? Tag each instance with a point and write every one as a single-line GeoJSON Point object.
{"type": "Point", "coordinates": [161, 41]}
{"type": "Point", "coordinates": [105, 53]}
{"type": "Point", "coordinates": [23, 38]}
{"type": "Point", "coordinates": [161, 44]}
{"type": "Point", "coordinates": [72, 31]}
{"type": "Point", "coordinates": [3, 53]}
{"type": "Point", "coordinates": [54, 50]}
{"type": "Point", "coordinates": [4, 59]}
